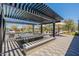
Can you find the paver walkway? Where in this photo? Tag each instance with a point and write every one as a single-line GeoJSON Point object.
{"type": "Point", "coordinates": [57, 47]}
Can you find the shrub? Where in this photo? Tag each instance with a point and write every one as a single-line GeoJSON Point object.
{"type": "Point", "coordinates": [77, 33]}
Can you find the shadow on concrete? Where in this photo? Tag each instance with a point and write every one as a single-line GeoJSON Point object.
{"type": "Point", "coordinates": [73, 49]}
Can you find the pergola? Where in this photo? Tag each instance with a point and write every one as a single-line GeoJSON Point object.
{"type": "Point", "coordinates": [27, 13]}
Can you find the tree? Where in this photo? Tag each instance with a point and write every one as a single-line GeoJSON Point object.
{"type": "Point", "coordinates": [69, 25]}
{"type": "Point", "coordinates": [47, 28]}
{"type": "Point", "coordinates": [14, 27]}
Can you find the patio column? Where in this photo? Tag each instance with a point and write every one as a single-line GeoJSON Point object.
{"type": "Point", "coordinates": [33, 28]}
{"type": "Point", "coordinates": [0, 33]}
{"type": "Point", "coordinates": [54, 29]}
{"type": "Point", "coordinates": [78, 26]}
{"type": "Point", "coordinates": [2, 30]}
{"type": "Point", "coordinates": [41, 29]}
{"type": "Point", "coordinates": [58, 29]}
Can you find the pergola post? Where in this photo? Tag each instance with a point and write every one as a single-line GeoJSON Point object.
{"type": "Point", "coordinates": [33, 28]}
{"type": "Point", "coordinates": [2, 30]}
{"type": "Point", "coordinates": [53, 29]}
{"type": "Point", "coordinates": [78, 26]}
{"type": "Point", "coordinates": [41, 29]}
{"type": "Point", "coordinates": [1, 33]}
{"type": "Point", "coordinates": [58, 29]}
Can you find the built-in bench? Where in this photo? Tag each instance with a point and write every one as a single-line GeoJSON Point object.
{"type": "Point", "coordinates": [29, 45]}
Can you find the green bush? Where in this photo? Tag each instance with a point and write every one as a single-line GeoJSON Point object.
{"type": "Point", "coordinates": [76, 33]}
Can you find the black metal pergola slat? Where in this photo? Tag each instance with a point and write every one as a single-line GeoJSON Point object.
{"type": "Point", "coordinates": [16, 13]}
{"type": "Point", "coordinates": [43, 7]}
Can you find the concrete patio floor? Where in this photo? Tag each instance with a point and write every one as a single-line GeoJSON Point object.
{"type": "Point", "coordinates": [57, 47]}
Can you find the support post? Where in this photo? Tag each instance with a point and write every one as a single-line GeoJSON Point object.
{"type": "Point", "coordinates": [33, 28]}
{"type": "Point", "coordinates": [58, 29]}
{"type": "Point", "coordinates": [1, 33]}
{"type": "Point", "coordinates": [78, 26]}
{"type": "Point", "coordinates": [41, 29]}
{"type": "Point", "coordinates": [2, 28]}
{"type": "Point", "coordinates": [54, 29]}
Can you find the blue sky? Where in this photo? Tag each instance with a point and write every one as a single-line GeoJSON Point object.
{"type": "Point", "coordinates": [67, 11]}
